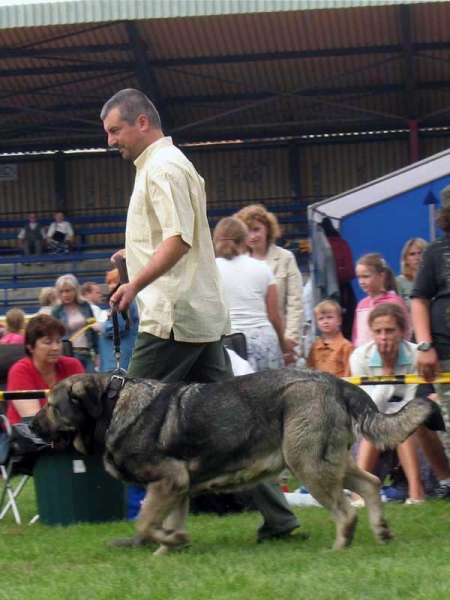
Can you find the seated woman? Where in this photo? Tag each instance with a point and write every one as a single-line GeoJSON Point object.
{"type": "Point", "coordinates": [391, 354]}
{"type": "Point", "coordinates": [59, 235]}
{"type": "Point", "coordinates": [41, 368]}
{"type": "Point", "coordinates": [74, 311]}
{"type": "Point", "coordinates": [252, 296]}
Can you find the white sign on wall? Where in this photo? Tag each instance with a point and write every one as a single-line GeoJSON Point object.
{"type": "Point", "coordinates": [8, 172]}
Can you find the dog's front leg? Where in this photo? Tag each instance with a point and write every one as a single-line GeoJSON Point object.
{"type": "Point", "coordinates": [158, 504]}
{"type": "Point", "coordinates": [163, 496]}
{"type": "Point", "coordinates": [176, 521]}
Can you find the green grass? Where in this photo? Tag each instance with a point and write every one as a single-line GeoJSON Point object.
{"type": "Point", "coordinates": [39, 562]}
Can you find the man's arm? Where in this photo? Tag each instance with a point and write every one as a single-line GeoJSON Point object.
{"type": "Point", "coordinates": [427, 362]}
{"type": "Point", "coordinates": [166, 256]}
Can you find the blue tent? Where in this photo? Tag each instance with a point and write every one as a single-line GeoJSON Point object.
{"type": "Point", "coordinates": [383, 214]}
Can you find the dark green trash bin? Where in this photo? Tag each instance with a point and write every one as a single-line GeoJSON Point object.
{"type": "Point", "coordinates": [74, 488]}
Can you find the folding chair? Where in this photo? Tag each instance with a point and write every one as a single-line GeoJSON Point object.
{"type": "Point", "coordinates": [18, 450]}
{"type": "Point", "coordinates": [6, 470]}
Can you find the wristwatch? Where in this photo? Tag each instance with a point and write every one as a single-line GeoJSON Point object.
{"type": "Point", "coordinates": [424, 346]}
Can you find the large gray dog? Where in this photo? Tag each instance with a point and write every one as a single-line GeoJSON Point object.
{"type": "Point", "coordinates": [180, 440]}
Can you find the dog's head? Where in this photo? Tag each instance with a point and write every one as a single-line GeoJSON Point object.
{"type": "Point", "coordinates": [74, 406]}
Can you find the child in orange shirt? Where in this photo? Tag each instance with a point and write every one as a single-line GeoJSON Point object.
{"type": "Point", "coordinates": [331, 352]}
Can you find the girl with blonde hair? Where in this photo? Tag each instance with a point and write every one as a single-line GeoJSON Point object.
{"type": "Point", "coordinates": [15, 325]}
{"type": "Point", "coordinates": [377, 280]}
{"type": "Point", "coordinates": [409, 263]}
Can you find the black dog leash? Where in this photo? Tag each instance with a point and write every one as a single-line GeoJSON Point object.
{"type": "Point", "coordinates": [123, 276]}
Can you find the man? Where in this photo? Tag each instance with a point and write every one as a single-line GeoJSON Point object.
{"type": "Point", "coordinates": [93, 294]}
{"type": "Point", "coordinates": [31, 235]}
{"type": "Point", "coordinates": [172, 269]}
{"type": "Point", "coordinates": [59, 235]}
{"type": "Point", "coordinates": [430, 311]}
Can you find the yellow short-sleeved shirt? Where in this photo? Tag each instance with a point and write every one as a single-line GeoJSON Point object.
{"type": "Point", "coordinates": [169, 199]}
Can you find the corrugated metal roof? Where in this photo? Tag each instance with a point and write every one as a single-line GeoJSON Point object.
{"type": "Point", "coordinates": [295, 73]}
{"type": "Point", "coordinates": [32, 13]}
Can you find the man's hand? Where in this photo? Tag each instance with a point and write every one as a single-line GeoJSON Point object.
{"type": "Point", "coordinates": [428, 364]}
{"type": "Point", "coordinates": [120, 253]}
{"type": "Point", "coordinates": [123, 297]}
{"type": "Point", "coordinates": [290, 354]}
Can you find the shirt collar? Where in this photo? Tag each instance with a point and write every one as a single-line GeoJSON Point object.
{"type": "Point", "coordinates": [150, 150]}
{"type": "Point", "coordinates": [402, 357]}
{"type": "Point", "coordinates": [334, 344]}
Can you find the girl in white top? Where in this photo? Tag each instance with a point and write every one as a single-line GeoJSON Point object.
{"type": "Point", "coordinates": [252, 296]}
{"type": "Point", "coordinates": [390, 354]}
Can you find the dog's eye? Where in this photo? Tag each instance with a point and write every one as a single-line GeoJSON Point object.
{"type": "Point", "coordinates": [75, 398]}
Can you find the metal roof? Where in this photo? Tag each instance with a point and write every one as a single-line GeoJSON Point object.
{"type": "Point", "coordinates": [32, 13]}
{"type": "Point", "coordinates": [363, 66]}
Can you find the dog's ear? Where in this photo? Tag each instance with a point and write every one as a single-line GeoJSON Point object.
{"type": "Point", "coordinates": [88, 394]}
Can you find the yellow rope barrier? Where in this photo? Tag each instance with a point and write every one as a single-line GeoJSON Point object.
{"type": "Point", "coordinates": [409, 379]}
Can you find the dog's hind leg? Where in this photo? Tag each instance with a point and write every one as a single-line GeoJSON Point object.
{"type": "Point", "coordinates": [326, 487]}
{"type": "Point", "coordinates": [324, 479]}
{"type": "Point", "coordinates": [368, 486]}
{"type": "Point", "coordinates": [176, 521]}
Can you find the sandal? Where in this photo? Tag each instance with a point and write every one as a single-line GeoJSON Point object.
{"type": "Point", "coordinates": [411, 501]}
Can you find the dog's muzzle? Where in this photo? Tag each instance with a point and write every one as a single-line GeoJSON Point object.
{"type": "Point", "coordinates": [43, 428]}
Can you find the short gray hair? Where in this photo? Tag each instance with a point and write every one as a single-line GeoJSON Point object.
{"type": "Point", "coordinates": [132, 103]}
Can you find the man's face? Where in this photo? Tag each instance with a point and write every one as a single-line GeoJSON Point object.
{"type": "Point", "coordinates": [95, 295]}
{"type": "Point", "coordinates": [128, 139]}
{"type": "Point", "coordinates": [59, 217]}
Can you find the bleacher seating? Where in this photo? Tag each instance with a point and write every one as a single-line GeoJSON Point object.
{"type": "Point", "coordinates": [83, 226]}
{"type": "Point", "coordinates": [20, 281]}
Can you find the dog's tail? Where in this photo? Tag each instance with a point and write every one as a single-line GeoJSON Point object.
{"type": "Point", "coordinates": [385, 431]}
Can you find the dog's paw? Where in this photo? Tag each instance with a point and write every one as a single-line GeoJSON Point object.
{"type": "Point", "coordinates": [176, 539]}
{"type": "Point", "coordinates": [384, 534]}
{"type": "Point", "coordinates": [131, 542]}
{"type": "Point", "coordinates": [162, 550]}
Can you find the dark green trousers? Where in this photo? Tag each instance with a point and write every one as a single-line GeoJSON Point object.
{"type": "Point", "coordinates": [171, 361]}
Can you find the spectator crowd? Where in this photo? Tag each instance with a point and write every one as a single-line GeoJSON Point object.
{"type": "Point", "coordinates": [267, 303]}
{"type": "Point", "coordinates": [186, 292]}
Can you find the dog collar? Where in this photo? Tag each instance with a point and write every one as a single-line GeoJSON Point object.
{"type": "Point", "coordinates": [116, 384]}
{"type": "Point", "coordinates": [112, 393]}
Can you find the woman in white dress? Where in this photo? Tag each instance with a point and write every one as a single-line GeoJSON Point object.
{"type": "Point", "coordinates": [252, 296]}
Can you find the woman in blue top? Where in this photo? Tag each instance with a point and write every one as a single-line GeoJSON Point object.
{"type": "Point", "coordinates": [76, 314]}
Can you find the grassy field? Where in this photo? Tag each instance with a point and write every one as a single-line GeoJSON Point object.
{"type": "Point", "coordinates": [224, 563]}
